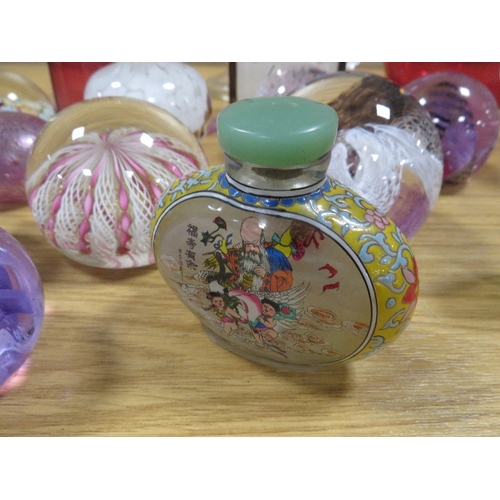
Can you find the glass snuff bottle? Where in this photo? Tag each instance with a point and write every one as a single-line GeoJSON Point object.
{"type": "Point", "coordinates": [281, 263]}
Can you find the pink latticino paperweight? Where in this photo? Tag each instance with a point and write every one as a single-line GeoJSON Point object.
{"type": "Point", "coordinates": [96, 173]}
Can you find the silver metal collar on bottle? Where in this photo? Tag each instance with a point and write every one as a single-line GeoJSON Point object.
{"type": "Point", "coordinates": [270, 181]}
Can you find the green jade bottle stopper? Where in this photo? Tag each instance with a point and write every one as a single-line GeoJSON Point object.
{"type": "Point", "coordinates": [277, 143]}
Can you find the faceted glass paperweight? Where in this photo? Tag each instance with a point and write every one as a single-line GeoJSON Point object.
{"type": "Point", "coordinates": [465, 114]}
{"type": "Point", "coordinates": [177, 87]}
{"type": "Point", "coordinates": [387, 148]}
{"type": "Point", "coordinates": [24, 109]}
{"type": "Point", "coordinates": [21, 306]}
{"type": "Point", "coordinates": [96, 172]}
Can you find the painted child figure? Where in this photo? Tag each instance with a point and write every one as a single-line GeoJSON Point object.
{"type": "Point", "coordinates": [264, 326]}
{"type": "Point", "coordinates": [228, 315]}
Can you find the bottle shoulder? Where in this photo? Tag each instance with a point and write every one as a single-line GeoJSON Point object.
{"type": "Point", "coordinates": [330, 204]}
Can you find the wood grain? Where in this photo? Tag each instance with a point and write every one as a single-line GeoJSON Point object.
{"type": "Point", "coordinates": [119, 355]}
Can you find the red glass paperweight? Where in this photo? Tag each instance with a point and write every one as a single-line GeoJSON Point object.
{"type": "Point", "coordinates": [69, 80]}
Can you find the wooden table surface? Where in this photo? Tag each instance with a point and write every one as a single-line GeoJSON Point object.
{"type": "Point", "coordinates": [120, 355]}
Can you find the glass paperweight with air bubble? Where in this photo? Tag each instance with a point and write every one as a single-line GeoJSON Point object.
{"type": "Point", "coordinates": [282, 264]}
{"type": "Point", "coordinates": [96, 173]}
{"type": "Point", "coordinates": [387, 149]}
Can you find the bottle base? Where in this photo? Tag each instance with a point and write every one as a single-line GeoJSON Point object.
{"type": "Point", "coordinates": [287, 367]}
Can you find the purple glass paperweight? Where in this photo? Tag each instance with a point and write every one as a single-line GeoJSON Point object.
{"type": "Point", "coordinates": [21, 306]}
{"type": "Point", "coordinates": [18, 132]}
{"type": "Point", "coordinates": [24, 110]}
{"type": "Point", "coordinates": [465, 114]}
